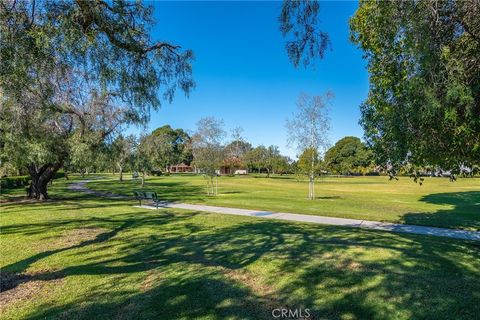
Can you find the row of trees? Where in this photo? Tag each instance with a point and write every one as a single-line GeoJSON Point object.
{"type": "Point", "coordinates": [208, 149]}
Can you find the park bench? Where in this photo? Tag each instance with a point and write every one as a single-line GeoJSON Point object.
{"type": "Point", "coordinates": [147, 195]}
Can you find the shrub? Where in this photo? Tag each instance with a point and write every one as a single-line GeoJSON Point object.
{"type": "Point", "coordinates": [15, 181]}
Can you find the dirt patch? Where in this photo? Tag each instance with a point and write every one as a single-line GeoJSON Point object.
{"type": "Point", "coordinates": [71, 238]}
{"type": "Point", "coordinates": [349, 264]}
{"type": "Point", "coordinates": [259, 287]}
{"type": "Point", "coordinates": [152, 279]}
{"type": "Point", "coordinates": [16, 287]}
{"type": "Point", "coordinates": [265, 293]}
{"type": "Point", "coordinates": [77, 236]}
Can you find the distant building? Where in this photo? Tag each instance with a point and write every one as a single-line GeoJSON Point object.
{"type": "Point", "coordinates": [225, 170]}
{"type": "Point", "coordinates": [182, 167]}
{"type": "Point", "coordinates": [232, 165]}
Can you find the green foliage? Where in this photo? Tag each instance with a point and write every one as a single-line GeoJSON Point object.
{"type": "Point", "coordinates": [267, 159]}
{"type": "Point", "coordinates": [309, 161]}
{"type": "Point", "coordinates": [423, 108]}
{"type": "Point", "coordinates": [174, 146]}
{"type": "Point", "coordinates": [299, 24]}
{"type": "Point", "coordinates": [15, 181]}
{"type": "Point", "coordinates": [74, 73]}
{"type": "Point", "coordinates": [348, 156]}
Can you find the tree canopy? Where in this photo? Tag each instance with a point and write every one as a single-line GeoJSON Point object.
{"type": "Point", "coordinates": [74, 72]}
{"type": "Point", "coordinates": [423, 107]}
{"type": "Point", "coordinates": [349, 155]}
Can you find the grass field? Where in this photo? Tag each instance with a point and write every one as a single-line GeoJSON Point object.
{"type": "Point", "coordinates": [438, 202]}
{"type": "Point", "coordinates": [83, 257]}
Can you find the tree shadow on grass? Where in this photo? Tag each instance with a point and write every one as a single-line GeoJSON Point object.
{"type": "Point", "coordinates": [217, 272]}
{"type": "Point", "coordinates": [329, 198]}
{"type": "Point", "coordinates": [195, 295]}
{"type": "Point", "coordinates": [464, 211]}
{"type": "Point", "coordinates": [166, 190]}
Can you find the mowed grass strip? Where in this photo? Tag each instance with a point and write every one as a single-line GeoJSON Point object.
{"type": "Point", "coordinates": [438, 202]}
{"type": "Point", "coordinates": [83, 257]}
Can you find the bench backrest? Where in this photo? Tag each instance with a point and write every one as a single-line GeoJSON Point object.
{"type": "Point", "coordinates": [150, 195]}
{"type": "Point", "coordinates": [145, 195]}
{"type": "Point", "coordinates": [138, 194]}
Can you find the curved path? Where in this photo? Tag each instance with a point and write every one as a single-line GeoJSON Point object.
{"type": "Point", "coordinates": [366, 224]}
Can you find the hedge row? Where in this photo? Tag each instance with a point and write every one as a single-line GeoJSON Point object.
{"type": "Point", "coordinates": [16, 181]}
{"type": "Point", "coordinates": [19, 181]}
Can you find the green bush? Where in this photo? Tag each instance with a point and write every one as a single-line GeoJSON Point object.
{"type": "Point", "coordinates": [60, 174]}
{"type": "Point", "coordinates": [15, 181]}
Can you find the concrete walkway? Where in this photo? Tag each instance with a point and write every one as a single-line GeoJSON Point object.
{"type": "Point", "coordinates": [366, 224]}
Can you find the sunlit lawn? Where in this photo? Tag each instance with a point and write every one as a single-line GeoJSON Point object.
{"type": "Point", "coordinates": [81, 257]}
{"type": "Point", "coordinates": [438, 202]}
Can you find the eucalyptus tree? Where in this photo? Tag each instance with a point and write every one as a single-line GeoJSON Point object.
{"type": "Point", "coordinates": [75, 72]}
{"type": "Point", "coordinates": [254, 158]}
{"type": "Point", "coordinates": [300, 26]}
{"type": "Point", "coordinates": [123, 150]}
{"type": "Point", "coordinates": [143, 160]}
{"type": "Point", "coordinates": [308, 130]}
{"type": "Point", "coordinates": [423, 107]}
{"type": "Point", "coordinates": [207, 148]}
{"type": "Point", "coordinates": [272, 159]}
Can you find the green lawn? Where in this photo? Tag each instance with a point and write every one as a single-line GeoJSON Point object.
{"type": "Point", "coordinates": [82, 257]}
{"type": "Point", "coordinates": [438, 202]}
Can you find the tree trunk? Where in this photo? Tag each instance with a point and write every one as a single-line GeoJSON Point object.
{"type": "Point", "coordinates": [143, 179]}
{"type": "Point", "coordinates": [121, 174]}
{"type": "Point", "coordinates": [40, 176]}
{"type": "Point", "coordinates": [312, 176]}
{"type": "Point", "coordinates": [311, 187]}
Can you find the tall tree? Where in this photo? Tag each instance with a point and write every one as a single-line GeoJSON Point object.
{"type": "Point", "coordinates": [349, 155]}
{"type": "Point", "coordinates": [160, 150]}
{"type": "Point", "coordinates": [254, 158]}
{"type": "Point", "coordinates": [423, 108]}
{"type": "Point", "coordinates": [144, 159]}
{"type": "Point", "coordinates": [272, 159]}
{"type": "Point", "coordinates": [308, 129]}
{"type": "Point", "coordinates": [179, 142]}
{"type": "Point", "coordinates": [74, 72]}
{"type": "Point", "coordinates": [123, 151]}
{"type": "Point", "coordinates": [207, 147]}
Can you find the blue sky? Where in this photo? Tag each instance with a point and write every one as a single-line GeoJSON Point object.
{"type": "Point", "coordinates": [243, 74]}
